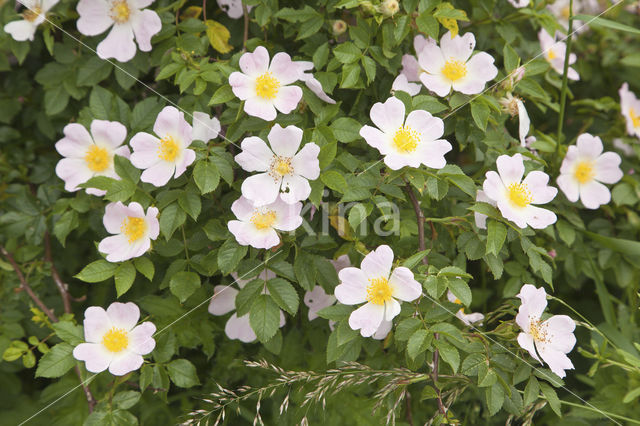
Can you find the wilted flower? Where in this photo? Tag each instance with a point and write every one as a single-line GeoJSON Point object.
{"type": "Point", "coordinates": [513, 105]}
{"type": "Point", "coordinates": [129, 21]}
{"type": "Point", "coordinates": [338, 27]}
{"type": "Point", "coordinates": [375, 284]}
{"type": "Point", "coordinates": [133, 230]}
{"type": "Point", "coordinates": [409, 142]}
{"type": "Point", "coordinates": [552, 339]}
{"type": "Point", "coordinates": [515, 197]}
{"type": "Point", "coordinates": [113, 340]}
{"type": "Point", "coordinates": [285, 170]}
{"type": "Point", "coordinates": [451, 65]}
{"type": "Point", "coordinates": [88, 155]}
{"type": "Point", "coordinates": [584, 170]}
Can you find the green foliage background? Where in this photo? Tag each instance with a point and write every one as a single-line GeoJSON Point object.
{"type": "Point", "coordinates": [54, 80]}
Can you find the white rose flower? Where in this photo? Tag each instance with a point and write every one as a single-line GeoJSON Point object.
{"type": "Point", "coordinates": [133, 231]}
{"type": "Point", "coordinates": [33, 15]}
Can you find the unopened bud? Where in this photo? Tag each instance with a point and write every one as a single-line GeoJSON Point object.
{"type": "Point", "coordinates": [518, 74]}
{"type": "Point", "coordinates": [552, 253]}
{"type": "Point", "coordinates": [389, 7]}
{"type": "Point", "coordinates": [338, 27]}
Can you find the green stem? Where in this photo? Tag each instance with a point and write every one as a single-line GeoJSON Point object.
{"type": "Point", "coordinates": [186, 249]}
{"type": "Point", "coordinates": [563, 93]}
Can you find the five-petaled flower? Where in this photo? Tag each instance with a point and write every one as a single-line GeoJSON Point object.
{"type": "Point", "coordinates": [409, 142]}
{"type": "Point", "coordinates": [129, 21]}
{"type": "Point", "coordinates": [555, 52]}
{"type": "Point", "coordinates": [584, 170]}
{"type": "Point", "coordinates": [257, 225]}
{"type": "Point", "coordinates": [113, 340]}
{"type": "Point", "coordinates": [552, 339]}
{"type": "Point", "coordinates": [515, 197]}
{"type": "Point", "coordinates": [375, 284]}
{"type": "Point", "coordinates": [283, 167]}
{"type": "Point", "coordinates": [265, 86]}
{"type": "Point", "coordinates": [451, 65]}
{"type": "Point", "coordinates": [133, 230]}
{"type": "Point", "coordinates": [224, 301]}
{"type": "Point", "coordinates": [166, 155]}
{"type": "Point", "coordinates": [88, 155]}
{"type": "Point", "coordinates": [630, 109]}
{"type": "Point", "coordinates": [33, 15]}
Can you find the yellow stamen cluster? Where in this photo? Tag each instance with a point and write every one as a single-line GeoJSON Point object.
{"type": "Point", "coordinates": [280, 166]}
{"type": "Point", "coordinates": [267, 86]}
{"type": "Point", "coordinates": [551, 55]}
{"type": "Point", "coordinates": [538, 331]}
{"type": "Point", "coordinates": [635, 118]}
{"type": "Point", "coordinates": [379, 291]}
{"type": "Point", "coordinates": [97, 158]}
{"type": "Point", "coordinates": [134, 228]}
{"type": "Point", "coordinates": [406, 140]}
{"type": "Point", "coordinates": [454, 70]}
{"type": "Point", "coordinates": [519, 195]}
{"type": "Point", "coordinates": [584, 172]}
{"type": "Point", "coordinates": [115, 340]}
{"type": "Point", "coordinates": [120, 11]}
{"type": "Point", "coordinates": [169, 149]}
{"type": "Point", "coordinates": [31, 14]}
{"type": "Point", "coordinates": [263, 219]}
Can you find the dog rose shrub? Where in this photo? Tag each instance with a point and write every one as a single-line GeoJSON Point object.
{"type": "Point", "coordinates": [340, 212]}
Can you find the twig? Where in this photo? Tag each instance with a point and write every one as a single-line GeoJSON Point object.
{"type": "Point", "coordinates": [65, 298]}
{"type": "Point", "coordinates": [26, 287]}
{"type": "Point", "coordinates": [245, 36]}
{"type": "Point", "coordinates": [563, 92]}
{"type": "Point", "coordinates": [62, 286]}
{"type": "Point", "coordinates": [204, 10]}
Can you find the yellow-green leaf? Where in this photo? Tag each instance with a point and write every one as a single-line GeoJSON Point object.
{"type": "Point", "coordinates": [218, 36]}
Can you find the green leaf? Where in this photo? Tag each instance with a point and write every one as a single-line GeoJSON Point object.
{"type": "Point", "coordinates": [206, 176]}
{"type": "Point", "coordinates": [229, 255]}
{"type": "Point", "coordinates": [496, 235]}
{"type": "Point", "coordinates": [415, 259]}
{"type": "Point", "coordinates": [305, 271]}
{"type": "Point", "coordinates": [334, 180]}
{"type": "Point", "coordinates": [264, 317]}
{"type": "Point", "coordinates": [552, 397]}
{"type": "Point", "coordinates": [170, 219]}
{"type": "Point", "coordinates": [247, 295]}
{"type": "Point", "coordinates": [100, 103]}
{"type": "Point", "coordinates": [63, 226]}
{"type": "Point", "coordinates": [495, 398]}
{"type": "Point", "coordinates": [56, 362]}
{"type": "Point", "coordinates": [68, 332]}
{"type": "Point", "coordinates": [145, 267]}
{"type": "Point", "coordinates": [347, 52]}
{"type": "Point", "coordinates": [480, 113]}
{"type": "Point", "coordinates": [124, 277]}
{"type": "Point", "coordinates": [511, 58]}
{"type": "Point", "coordinates": [190, 203]}
{"type": "Point", "coordinates": [531, 391]}
{"type": "Point", "coordinates": [126, 399]}
{"type": "Point", "coordinates": [93, 71]}
{"type": "Point", "coordinates": [419, 342]}
{"type": "Point", "coordinates": [346, 129]}
{"type": "Point", "coordinates": [595, 21]}
{"type": "Point", "coordinates": [97, 271]}
{"type": "Point", "coordinates": [631, 395]}
{"type": "Point", "coordinates": [449, 354]}
{"type": "Point", "coordinates": [284, 294]}
{"type": "Point", "coordinates": [55, 100]}
{"type": "Point", "coordinates": [350, 76]}
{"type": "Point", "coordinates": [183, 373]}
{"type": "Point", "coordinates": [184, 284]}
{"type": "Point", "coordinates": [125, 169]}
{"type": "Point", "coordinates": [628, 247]}
{"type": "Point", "coordinates": [222, 95]}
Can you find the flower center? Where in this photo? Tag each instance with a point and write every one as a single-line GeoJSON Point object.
{"type": "Point", "coordinates": [584, 171]}
{"type": "Point", "coordinates": [120, 11]}
{"type": "Point", "coordinates": [134, 228]}
{"type": "Point", "coordinates": [635, 118]}
{"type": "Point", "coordinates": [519, 194]}
{"type": "Point", "coordinates": [379, 291]}
{"type": "Point", "coordinates": [169, 149]}
{"type": "Point", "coordinates": [538, 331]}
{"type": "Point", "coordinates": [280, 166]}
{"type": "Point", "coordinates": [97, 159]}
{"type": "Point", "coordinates": [454, 70]}
{"type": "Point", "coordinates": [31, 14]}
{"type": "Point", "coordinates": [551, 55]}
{"type": "Point", "coordinates": [115, 340]}
{"type": "Point", "coordinates": [267, 86]}
{"type": "Point", "coordinates": [406, 139]}
{"type": "Point", "coordinates": [565, 12]}
{"type": "Point", "coordinates": [263, 220]}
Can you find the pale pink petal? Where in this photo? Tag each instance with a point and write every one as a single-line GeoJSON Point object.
{"type": "Point", "coordinates": [560, 332]}
{"type": "Point", "coordinates": [158, 174]}
{"type": "Point", "coordinates": [436, 83]}
{"type": "Point", "coordinates": [534, 302]}
{"type": "Point", "coordinates": [569, 186]}
{"type": "Point", "coordinates": [431, 153]}
{"type": "Point", "coordinates": [145, 150]}
{"type": "Point", "coordinates": [96, 358]}
{"type": "Point", "coordinates": [510, 169]}
{"type": "Point", "coordinates": [223, 300]}
{"type": "Point", "coordinates": [515, 214]}
{"type": "Point", "coordinates": [539, 218]}
{"type": "Point", "coordinates": [383, 330]}
{"type": "Point", "coordinates": [110, 133]}
{"type": "Point", "coordinates": [376, 139]}
{"type": "Point", "coordinates": [188, 157]}
{"type": "Point", "coordinates": [261, 188]}
{"type": "Point", "coordinates": [256, 63]}
{"type": "Point", "coordinates": [353, 286]}
{"type": "Point", "coordinates": [457, 47]}
{"type": "Point", "coordinates": [410, 68]}
{"type": "Point", "coordinates": [316, 300]}
{"type": "Point", "coordinates": [287, 215]}
{"type": "Point", "coordinates": [377, 264]}
{"type": "Point", "coordinates": [123, 315]}
{"type": "Point", "coordinates": [141, 338]}
{"type": "Point", "coordinates": [403, 285]}
{"type": "Point", "coordinates": [594, 194]}
{"type": "Point", "coordinates": [114, 215]}
{"type": "Point", "coordinates": [367, 319]}
{"type": "Point", "coordinates": [589, 146]}
{"type": "Point", "coordinates": [243, 208]}
{"type": "Point", "coordinates": [397, 161]}
{"type": "Point", "coordinates": [558, 362]}
{"type": "Point", "coordinates": [168, 122]}
{"type": "Point", "coordinates": [141, 4]}
{"type": "Point", "coordinates": [255, 155]}
{"type": "Point", "coordinates": [125, 363]}
{"type": "Point", "coordinates": [294, 188]}
{"type": "Point", "coordinates": [96, 324]}
{"type": "Point", "coordinates": [242, 85]}
{"type": "Point", "coordinates": [118, 44]}
{"type": "Point", "coordinates": [391, 309]}
{"type": "Point", "coordinates": [493, 186]}
{"type": "Point", "coordinates": [607, 168]}
{"type": "Point", "coordinates": [481, 219]}
{"type": "Point", "coordinates": [73, 171]}
{"type": "Point", "coordinates": [285, 141]}
{"type": "Point", "coordinates": [429, 127]}
{"type": "Point", "coordinates": [402, 84]}
{"type": "Point", "coordinates": [305, 163]}
{"type": "Point", "coordinates": [388, 116]}
{"type": "Point", "coordinates": [116, 247]}
{"type": "Point", "coordinates": [145, 25]}
{"type": "Point", "coordinates": [541, 192]}
{"type": "Point", "coordinates": [94, 17]}
{"type": "Point", "coordinates": [257, 107]}
{"type": "Point", "coordinates": [430, 58]}
{"type": "Point", "coordinates": [526, 342]}
{"type": "Point", "coordinates": [76, 141]}
{"type": "Point", "coordinates": [316, 87]}
{"type": "Point", "coordinates": [287, 99]}
{"type": "Point", "coordinates": [240, 329]}
{"type": "Point", "coordinates": [205, 128]}
{"type": "Point", "coordinates": [21, 30]}
{"type": "Point", "coordinates": [283, 69]}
